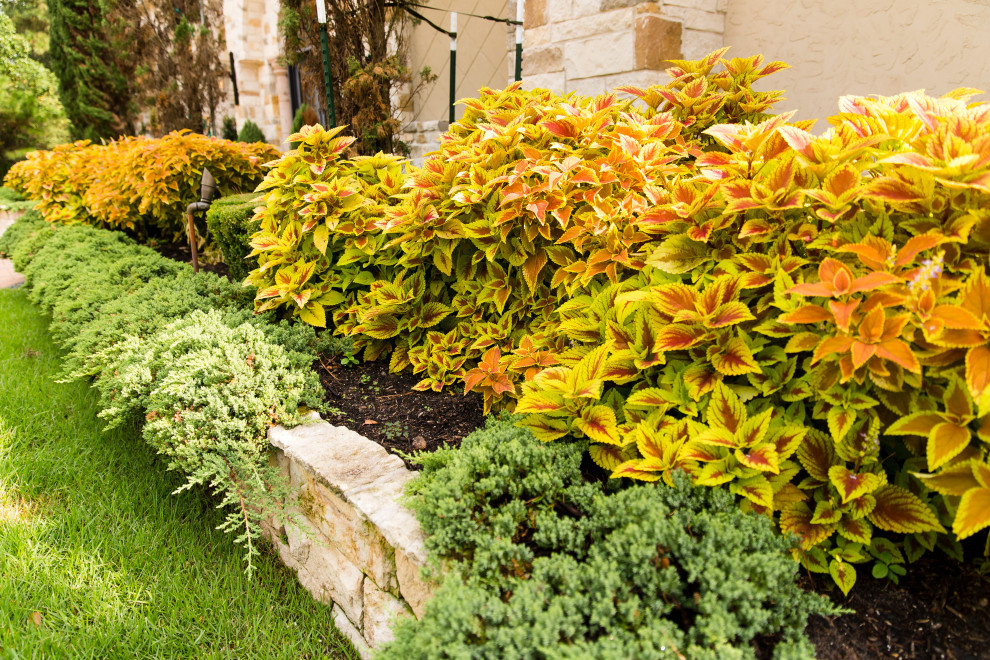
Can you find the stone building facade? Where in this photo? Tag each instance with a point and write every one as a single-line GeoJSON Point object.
{"type": "Point", "coordinates": [592, 46]}
{"type": "Point", "coordinates": [834, 47]}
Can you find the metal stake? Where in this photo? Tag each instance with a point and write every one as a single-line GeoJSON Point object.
{"type": "Point", "coordinates": [520, 5]}
{"type": "Point", "coordinates": [321, 17]}
{"type": "Point", "coordinates": [453, 65]}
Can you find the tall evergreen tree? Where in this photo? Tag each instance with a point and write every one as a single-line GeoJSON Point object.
{"type": "Point", "coordinates": [92, 69]}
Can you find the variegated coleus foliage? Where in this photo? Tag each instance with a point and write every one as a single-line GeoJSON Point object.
{"type": "Point", "coordinates": [530, 199]}
{"type": "Point", "coordinates": [810, 331]}
{"type": "Point", "coordinates": [139, 184]}
{"type": "Point", "coordinates": [319, 244]}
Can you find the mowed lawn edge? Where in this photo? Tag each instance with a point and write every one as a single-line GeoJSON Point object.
{"type": "Point", "coordinates": [98, 557]}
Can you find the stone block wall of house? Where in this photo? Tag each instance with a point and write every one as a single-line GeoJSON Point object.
{"type": "Point", "coordinates": [592, 46]}
{"type": "Point", "coordinates": [251, 28]}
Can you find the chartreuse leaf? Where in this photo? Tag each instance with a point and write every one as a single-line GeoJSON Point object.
{"type": "Point", "coordinates": [314, 314]}
{"type": "Point", "coordinates": [843, 573]}
{"type": "Point", "coordinates": [321, 238]}
{"type": "Point", "coordinates": [945, 442]}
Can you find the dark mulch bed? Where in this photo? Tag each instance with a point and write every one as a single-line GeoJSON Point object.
{"type": "Point", "coordinates": [940, 609]}
{"type": "Point", "coordinates": [181, 252]}
{"type": "Point", "coordinates": [384, 407]}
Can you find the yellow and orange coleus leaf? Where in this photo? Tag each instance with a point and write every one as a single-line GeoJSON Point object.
{"type": "Point", "coordinates": [598, 423]}
{"type": "Point", "coordinates": [852, 485]}
{"type": "Point", "coordinates": [796, 519]}
{"type": "Point", "coordinates": [899, 510]}
{"type": "Point", "coordinates": [837, 279]}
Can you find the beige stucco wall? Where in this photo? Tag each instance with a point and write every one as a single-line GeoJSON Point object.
{"type": "Point", "coordinates": [861, 47]}
{"type": "Point", "coordinates": [481, 53]}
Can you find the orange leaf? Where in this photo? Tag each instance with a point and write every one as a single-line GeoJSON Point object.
{"type": "Point", "coordinates": [369, 421]}
{"type": "Point", "coordinates": [531, 269]}
{"type": "Point", "coordinates": [842, 311]}
{"type": "Point", "coordinates": [897, 351]}
{"type": "Point", "coordinates": [807, 314]}
{"type": "Point", "coordinates": [978, 370]}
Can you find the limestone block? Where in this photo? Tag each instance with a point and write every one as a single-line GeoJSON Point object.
{"type": "Point", "coordinates": [696, 44]}
{"type": "Point", "coordinates": [553, 81]}
{"type": "Point", "coordinates": [414, 590]}
{"type": "Point", "coordinates": [544, 59]}
{"type": "Point", "coordinates": [278, 459]}
{"type": "Point", "coordinates": [696, 19]}
{"type": "Point", "coordinates": [588, 86]}
{"type": "Point", "coordinates": [379, 502]}
{"type": "Point", "coordinates": [380, 611]}
{"type": "Point", "coordinates": [656, 41]}
{"type": "Point", "coordinates": [299, 542]}
{"type": "Point", "coordinates": [345, 626]}
{"type": "Point", "coordinates": [643, 78]}
{"type": "Point", "coordinates": [340, 457]}
{"type": "Point", "coordinates": [599, 55]}
{"type": "Point", "coordinates": [581, 8]}
{"type": "Point", "coordinates": [559, 10]}
{"type": "Point", "coordinates": [534, 13]}
{"type": "Point", "coordinates": [536, 37]}
{"type": "Point", "coordinates": [704, 5]}
{"type": "Point", "coordinates": [355, 536]}
{"type": "Point", "coordinates": [330, 576]}
{"type": "Point", "coordinates": [586, 26]}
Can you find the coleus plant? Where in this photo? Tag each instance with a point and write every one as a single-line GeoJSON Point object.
{"type": "Point", "coordinates": [138, 184]}
{"type": "Point", "coordinates": [530, 198]}
{"type": "Point", "coordinates": [319, 244]}
{"type": "Point", "coordinates": [809, 331]}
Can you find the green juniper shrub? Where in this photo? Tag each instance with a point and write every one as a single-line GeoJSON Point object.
{"type": "Point", "coordinates": [544, 564]}
{"type": "Point", "coordinates": [250, 133]}
{"type": "Point", "coordinates": [229, 131]}
{"type": "Point", "coordinates": [231, 222]}
{"type": "Point", "coordinates": [11, 200]}
{"type": "Point", "coordinates": [21, 232]}
{"type": "Point", "coordinates": [209, 392]}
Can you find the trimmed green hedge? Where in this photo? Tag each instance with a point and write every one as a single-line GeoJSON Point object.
{"type": "Point", "coordinates": [179, 352]}
{"type": "Point", "coordinates": [230, 221]}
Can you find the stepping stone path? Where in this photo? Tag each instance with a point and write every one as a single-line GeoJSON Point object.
{"type": "Point", "coordinates": [8, 277]}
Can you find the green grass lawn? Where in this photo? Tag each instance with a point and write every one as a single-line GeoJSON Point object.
{"type": "Point", "coordinates": [98, 559]}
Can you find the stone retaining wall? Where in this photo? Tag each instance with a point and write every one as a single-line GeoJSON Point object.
{"type": "Point", "coordinates": [356, 547]}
